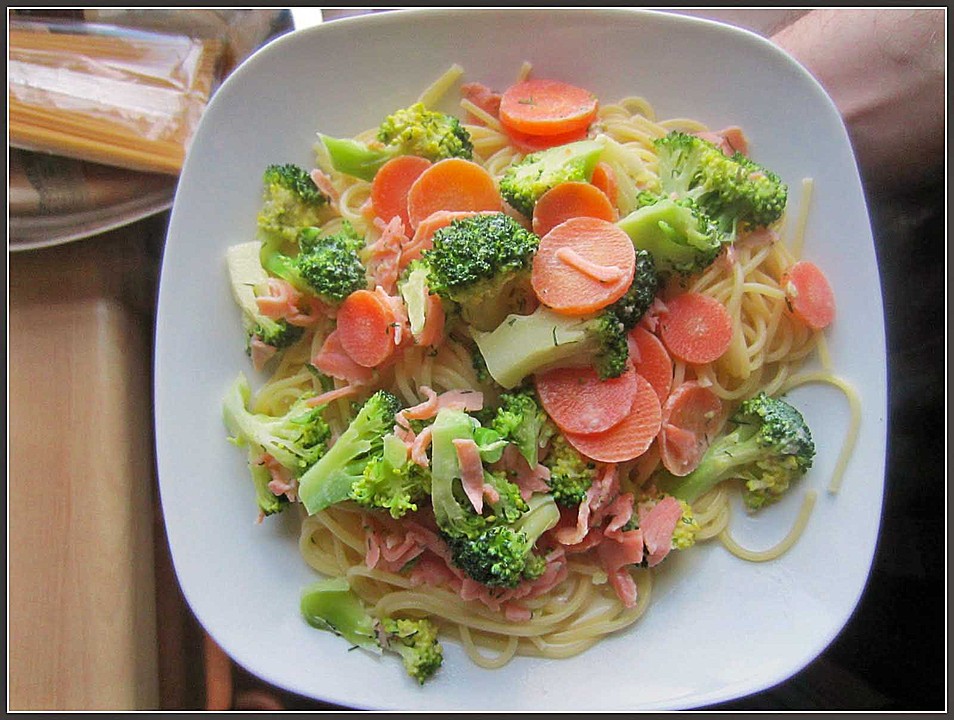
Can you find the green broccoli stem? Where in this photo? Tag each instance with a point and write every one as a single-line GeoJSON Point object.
{"type": "Point", "coordinates": [329, 480]}
{"type": "Point", "coordinates": [282, 266]}
{"type": "Point", "coordinates": [268, 502]}
{"type": "Point", "coordinates": [542, 515]}
{"type": "Point", "coordinates": [355, 158]}
{"type": "Point", "coordinates": [725, 454]}
{"type": "Point", "coordinates": [330, 604]}
{"type": "Point", "coordinates": [449, 425]}
{"type": "Point", "coordinates": [676, 237]}
{"type": "Point", "coordinates": [524, 344]}
{"type": "Point", "coordinates": [244, 425]}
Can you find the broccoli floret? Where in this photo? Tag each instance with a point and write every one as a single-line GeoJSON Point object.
{"type": "Point", "coordinates": [482, 264]}
{"type": "Point", "coordinates": [521, 420]}
{"type": "Point", "coordinates": [526, 180]}
{"type": "Point", "coordinates": [454, 518]}
{"type": "Point", "coordinates": [411, 131]}
{"type": "Point", "coordinates": [681, 239]}
{"type": "Point", "coordinates": [390, 482]}
{"type": "Point", "coordinates": [630, 308]}
{"type": "Point", "coordinates": [502, 554]}
{"type": "Point", "coordinates": [331, 605]}
{"type": "Point", "coordinates": [571, 474]}
{"type": "Point", "coordinates": [416, 641]}
{"type": "Point", "coordinates": [345, 234]}
{"type": "Point", "coordinates": [330, 480]}
{"type": "Point", "coordinates": [732, 190]}
{"type": "Point", "coordinates": [247, 279]}
{"type": "Point", "coordinates": [279, 334]}
{"type": "Point", "coordinates": [494, 548]}
{"type": "Point", "coordinates": [296, 439]}
{"type": "Point", "coordinates": [431, 134]}
{"type": "Point", "coordinates": [770, 446]}
{"type": "Point", "coordinates": [291, 201]}
{"type": "Point", "coordinates": [509, 505]}
{"type": "Point", "coordinates": [330, 265]}
{"type": "Point", "coordinates": [294, 249]}
{"type": "Point", "coordinates": [326, 265]}
{"type": "Point", "coordinates": [524, 344]}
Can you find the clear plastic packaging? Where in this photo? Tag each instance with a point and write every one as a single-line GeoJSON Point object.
{"type": "Point", "coordinates": [108, 94]}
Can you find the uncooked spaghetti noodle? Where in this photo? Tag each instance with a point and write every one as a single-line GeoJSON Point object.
{"type": "Point", "coordinates": [128, 99]}
{"type": "Point", "coordinates": [768, 351]}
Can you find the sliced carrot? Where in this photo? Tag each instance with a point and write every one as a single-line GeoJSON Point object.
{"type": "Point", "coordinates": [629, 438]}
{"type": "Point", "coordinates": [391, 184]}
{"type": "Point", "coordinates": [695, 328]}
{"type": "Point", "coordinates": [424, 234]}
{"type": "Point", "coordinates": [569, 200]}
{"type": "Point", "coordinates": [809, 295]}
{"type": "Point", "coordinates": [452, 184]}
{"type": "Point", "coordinates": [691, 416]}
{"type": "Point", "coordinates": [604, 177]}
{"type": "Point", "coordinates": [578, 401]}
{"type": "Point", "coordinates": [539, 106]}
{"type": "Point", "coordinates": [651, 360]}
{"type": "Point", "coordinates": [583, 265]}
{"type": "Point", "coordinates": [366, 328]}
{"type": "Point", "coordinates": [534, 143]}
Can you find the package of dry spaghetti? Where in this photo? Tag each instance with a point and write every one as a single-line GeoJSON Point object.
{"type": "Point", "coordinates": [127, 93]}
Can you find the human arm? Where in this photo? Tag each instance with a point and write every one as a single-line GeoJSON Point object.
{"type": "Point", "coordinates": [885, 71]}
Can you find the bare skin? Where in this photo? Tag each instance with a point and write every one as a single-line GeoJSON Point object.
{"type": "Point", "coordinates": [885, 71]}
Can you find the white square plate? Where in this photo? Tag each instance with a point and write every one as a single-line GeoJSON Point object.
{"type": "Point", "coordinates": [718, 628]}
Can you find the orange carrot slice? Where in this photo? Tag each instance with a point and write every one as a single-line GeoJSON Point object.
{"type": "Point", "coordinates": [539, 106]}
{"type": "Point", "coordinates": [534, 143]}
{"type": "Point", "coordinates": [583, 265]}
{"type": "Point", "coordinates": [692, 416]}
{"type": "Point", "coordinates": [578, 401]}
{"type": "Point", "coordinates": [695, 328]}
{"type": "Point", "coordinates": [452, 184]}
{"type": "Point", "coordinates": [569, 200]}
{"type": "Point", "coordinates": [629, 438]}
{"type": "Point", "coordinates": [809, 295]}
{"type": "Point", "coordinates": [604, 177]}
{"type": "Point", "coordinates": [391, 185]}
{"type": "Point", "coordinates": [366, 328]}
{"type": "Point", "coordinates": [651, 360]}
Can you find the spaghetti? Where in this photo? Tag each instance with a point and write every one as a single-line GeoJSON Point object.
{"type": "Point", "coordinates": [767, 352]}
{"type": "Point", "coordinates": [131, 100]}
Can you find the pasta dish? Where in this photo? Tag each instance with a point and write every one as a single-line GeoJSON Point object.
{"type": "Point", "coordinates": [515, 357]}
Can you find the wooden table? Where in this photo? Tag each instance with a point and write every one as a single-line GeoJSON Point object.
{"type": "Point", "coordinates": [82, 600]}
{"type": "Point", "coordinates": [97, 620]}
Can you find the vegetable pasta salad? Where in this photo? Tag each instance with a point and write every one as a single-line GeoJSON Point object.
{"type": "Point", "coordinates": [513, 360]}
